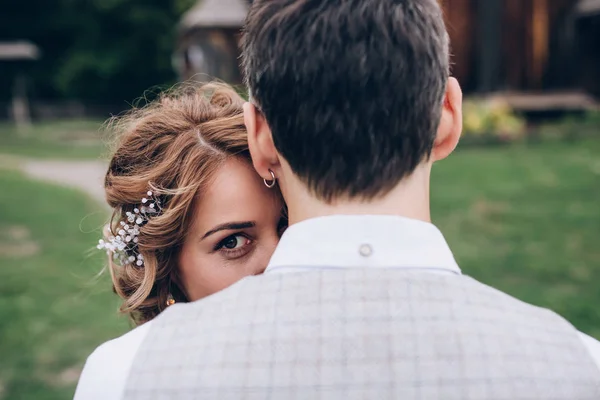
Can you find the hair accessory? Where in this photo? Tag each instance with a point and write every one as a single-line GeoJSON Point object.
{"type": "Point", "coordinates": [272, 182]}
{"type": "Point", "coordinates": [124, 245]}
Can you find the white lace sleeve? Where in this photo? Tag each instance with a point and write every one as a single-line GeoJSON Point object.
{"type": "Point", "coordinates": [593, 347]}
{"type": "Point", "coordinates": [106, 369]}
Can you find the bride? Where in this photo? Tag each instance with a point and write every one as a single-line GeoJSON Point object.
{"type": "Point", "coordinates": [190, 216]}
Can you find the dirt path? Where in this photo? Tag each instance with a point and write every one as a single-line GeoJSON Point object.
{"type": "Point", "coordinates": [87, 176]}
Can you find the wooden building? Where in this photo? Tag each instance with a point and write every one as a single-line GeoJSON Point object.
{"type": "Point", "coordinates": [208, 41]}
{"type": "Point", "coordinates": [522, 46]}
{"type": "Point", "coordinates": [588, 45]}
{"type": "Point", "coordinates": [15, 58]}
{"type": "Point", "coordinates": [525, 45]}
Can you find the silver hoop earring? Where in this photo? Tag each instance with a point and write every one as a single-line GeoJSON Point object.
{"type": "Point", "coordinates": [272, 182]}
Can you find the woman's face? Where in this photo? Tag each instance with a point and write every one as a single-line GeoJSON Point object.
{"type": "Point", "coordinates": [237, 224]}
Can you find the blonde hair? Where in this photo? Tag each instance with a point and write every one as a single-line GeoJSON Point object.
{"type": "Point", "coordinates": [172, 146]}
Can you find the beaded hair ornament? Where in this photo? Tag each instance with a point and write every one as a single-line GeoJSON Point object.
{"type": "Point", "coordinates": [124, 245]}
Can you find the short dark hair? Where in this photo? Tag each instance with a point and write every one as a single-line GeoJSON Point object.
{"type": "Point", "coordinates": [352, 89]}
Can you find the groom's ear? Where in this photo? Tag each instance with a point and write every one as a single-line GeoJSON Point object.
{"type": "Point", "coordinates": [260, 141]}
{"type": "Point", "coordinates": [450, 128]}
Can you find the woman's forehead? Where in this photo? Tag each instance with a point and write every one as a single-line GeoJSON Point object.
{"type": "Point", "coordinates": [236, 193]}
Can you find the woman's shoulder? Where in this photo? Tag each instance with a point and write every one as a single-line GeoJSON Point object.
{"type": "Point", "coordinates": [123, 346]}
{"type": "Point", "coordinates": [107, 368]}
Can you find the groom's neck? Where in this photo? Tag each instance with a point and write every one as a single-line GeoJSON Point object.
{"type": "Point", "coordinates": [410, 199]}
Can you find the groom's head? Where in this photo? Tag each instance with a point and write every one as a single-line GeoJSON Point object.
{"type": "Point", "coordinates": [349, 93]}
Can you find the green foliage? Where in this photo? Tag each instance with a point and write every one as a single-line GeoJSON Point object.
{"type": "Point", "coordinates": [182, 6]}
{"type": "Point", "coordinates": [100, 51]}
{"type": "Point", "coordinates": [491, 121]}
{"type": "Point", "coordinates": [573, 127]}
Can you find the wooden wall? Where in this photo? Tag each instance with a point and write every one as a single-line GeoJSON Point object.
{"type": "Point", "coordinates": [510, 44]}
{"type": "Point", "coordinates": [533, 38]}
{"type": "Point", "coordinates": [461, 24]}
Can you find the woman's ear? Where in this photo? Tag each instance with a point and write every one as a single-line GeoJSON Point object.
{"type": "Point", "coordinates": [260, 141]}
{"type": "Point", "coordinates": [450, 128]}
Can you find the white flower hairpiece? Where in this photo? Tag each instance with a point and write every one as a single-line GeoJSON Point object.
{"type": "Point", "coordinates": [124, 245]}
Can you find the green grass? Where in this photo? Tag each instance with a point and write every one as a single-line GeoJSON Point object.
{"type": "Point", "coordinates": [526, 220]}
{"type": "Point", "coordinates": [54, 311]}
{"type": "Point", "coordinates": [69, 139]}
{"type": "Point", "coordinates": [571, 127]}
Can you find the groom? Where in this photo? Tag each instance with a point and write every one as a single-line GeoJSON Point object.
{"type": "Point", "coordinates": [351, 105]}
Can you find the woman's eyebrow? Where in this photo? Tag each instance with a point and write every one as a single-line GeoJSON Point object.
{"type": "Point", "coordinates": [230, 226]}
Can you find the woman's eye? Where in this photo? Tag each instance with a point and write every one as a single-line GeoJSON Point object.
{"type": "Point", "coordinates": [234, 242]}
{"type": "Point", "coordinates": [234, 246]}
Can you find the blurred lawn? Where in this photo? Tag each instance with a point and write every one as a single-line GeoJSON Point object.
{"type": "Point", "coordinates": [524, 219]}
{"type": "Point", "coordinates": [68, 139]}
{"type": "Point", "coordinates": [53, 309]}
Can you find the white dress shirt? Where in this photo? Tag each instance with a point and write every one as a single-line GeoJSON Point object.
{"type": "Point", "coordinates": [326, 242]}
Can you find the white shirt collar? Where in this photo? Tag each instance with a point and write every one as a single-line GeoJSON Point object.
{"type": "Point", "coordinates": [358, 241]}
